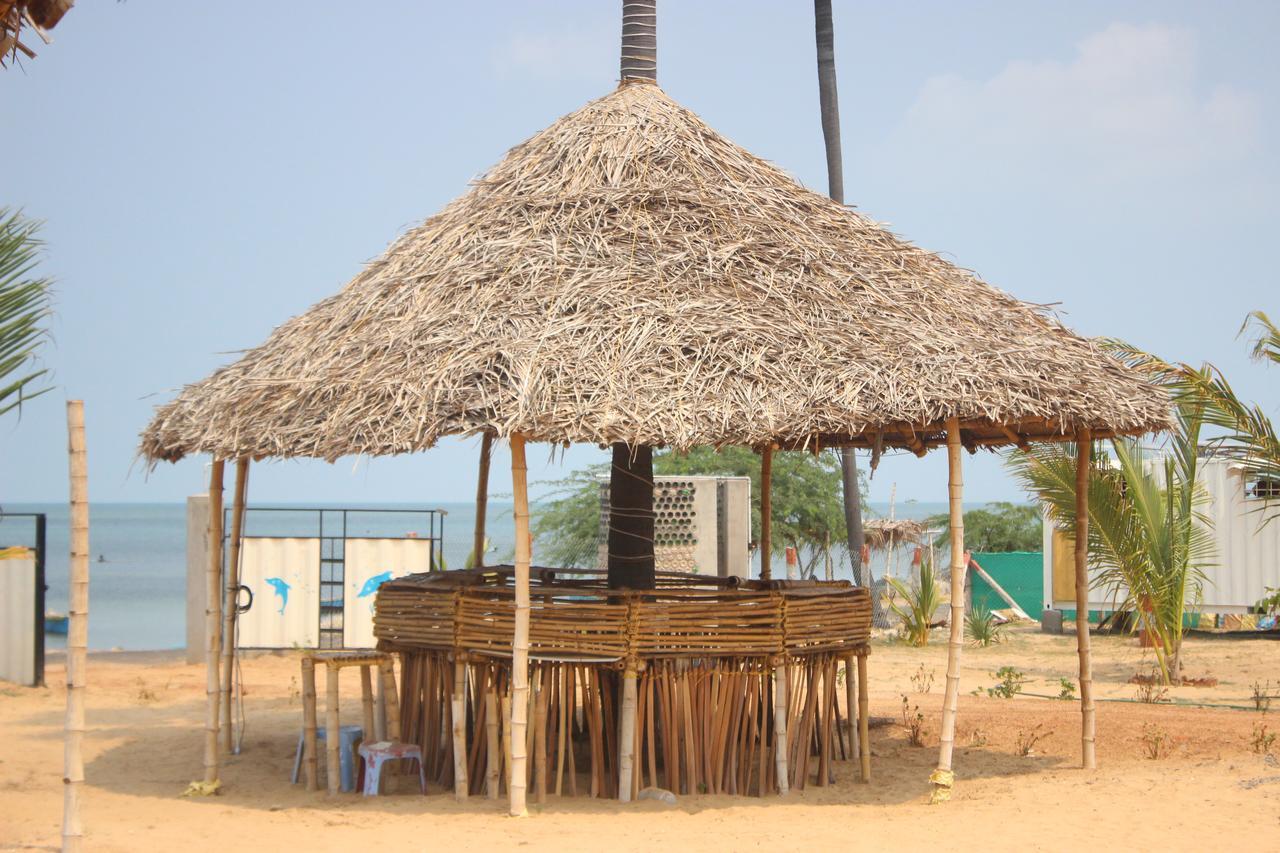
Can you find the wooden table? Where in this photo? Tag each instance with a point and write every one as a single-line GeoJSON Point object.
{"type": "Point", "coordinates": [383, 720]}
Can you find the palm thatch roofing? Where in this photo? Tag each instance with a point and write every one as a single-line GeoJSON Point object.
{"type": "Point", "coordinates": [628, 274]}
{"type": "Point", "coordinates": [883, 533]}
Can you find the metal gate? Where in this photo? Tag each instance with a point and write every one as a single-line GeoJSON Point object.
{"type": "Point", "coordinates": [22, 589]}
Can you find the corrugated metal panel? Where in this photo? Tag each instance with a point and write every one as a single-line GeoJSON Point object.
{"type": "Point", "coordinates": [17, 617]}
{"type": "Point", "coordinates": [369, 564]}
{"type": "Point", "coordinates": [1247, 561]}
{"type": "Point", "coordinates": [283, 576]}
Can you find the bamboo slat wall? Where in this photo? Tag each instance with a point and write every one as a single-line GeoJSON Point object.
{"type": "Point", "coordinates": [473, 612]}
{"type": "Point", "coordinates": [704, 652]}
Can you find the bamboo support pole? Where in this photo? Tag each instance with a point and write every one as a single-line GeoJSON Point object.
{"type": "Point", "coordinates": [493, 750]}
{"type": "Point", "coordinates": [1084, 450]}
{"type": "Point", "coordinates": [332, 731]}
{"type": "Point", "coordinates": [942, 777]}
{"type": "Point", "coordinates": [506, 739]}
{"type": "Point", "coordinates": [230, 612]}
{"type": "Point", "coordinates": [379, 706]}
{"type": "Point", "coordinates": [77, 630]}
{"type": "Point", "coordinates": [766, 511]}
{"type": "Point", "coordinates": [864, 719]}
{"type": "Point", "coordinates": [850, 706]}
{"type": "Point", "coordinates": [212, 623]}
{"type": "Point", "coordinates": [627, 733]}
{"type": "Point", "coordinates": [781, 690]}
{"type": "Point", "coordinates": [366, 702]}
{"type": "Point", "coordinates": [458, 700]}
{"type": "Point", "coordinates": [540, 711]}
{"type": "Point", "coordinates": [390, 700]}
{"type": "Point", "coordinates": [520, 640]}
{"type": "Point", "coordinates": [482, 499]}
{"type": "Point", "coordinates": [309, 758]}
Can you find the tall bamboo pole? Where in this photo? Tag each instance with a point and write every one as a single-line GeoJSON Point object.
{"type": "Point", "coordinates": [212, 623]}
{"type": "Point", "coordinates": [942, 778]}
{"type": "Point", "coordinates": [482, 499]}
{"type": "Point", "coordinates": [1084, 449]}
{"type": "Point", "coordinates": [627, 732]}
{"type": "Point", "coordinates": [520, 641]}
{"type": "Point", "coordinates": [77, 630]}
{"type": "Point", "coordinates": [766, 511]}
{"type": "Point", "coordinates": [230, 612]}
{"type": "Point", "coordinates": [781, 693]}
{"type": "Point", "coordinates": [459, 707]}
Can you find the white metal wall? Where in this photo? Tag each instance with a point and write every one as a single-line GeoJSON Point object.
{"type": "Point", "coordinates": [283, 575]}
{"type": "Point", "coordinates": [1247, 561]}
{"type": "Point", "coordinates": [369, 564]}
{"type": "Point", "coordinates": [17, 616]}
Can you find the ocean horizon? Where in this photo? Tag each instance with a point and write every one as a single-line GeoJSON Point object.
{"type": "Point", "coordinates": [138, 554]}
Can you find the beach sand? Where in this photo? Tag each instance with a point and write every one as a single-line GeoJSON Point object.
{"type": "Point", "coordinates": [144, 744]}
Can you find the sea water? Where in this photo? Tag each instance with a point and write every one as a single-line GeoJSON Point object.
{"type": "Point", "coordinates": [138, 555]}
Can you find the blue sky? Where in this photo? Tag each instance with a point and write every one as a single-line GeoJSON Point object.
{"type": "Point", "coordinates": [206, 171]}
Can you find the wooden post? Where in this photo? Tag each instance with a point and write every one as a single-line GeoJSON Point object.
{"type": "Point", "coordinates": [77, 629]}
{"type": "Point", "coordinates": [627, 732]}
{"type": "Point", "coordinates": [366, 703]}
{"type": "Point", "coordinates": [493, 752]}
{"type": "Point", "coordinates": [943, 778]}
{"type": "Point", "coordinates": [212, 623]}
{"type": "Point", "coordinates": [332, 731]}
{"type": "Point", "coordinates": [230, 611]}
{"type": "Point", "coordinates": [520, 640]}
{"type": "Point", "coordinates": [766, 512]}
{"type": "Point", "coordinates": [1084, 449]}
{"type": "Point", "coordinates": [540, 710]}
{"type": "Point", "coordinates": [781, 689]}
{"type": "Point", "coordinates": [864, 718]}
{"type": "Point", "coordinates": [482, 498]}
{"type": "Point", "coordinates": [459, 706]}
{"type": "Point", "coordinates": [850, 704]}
{"type": "Point", "coordinates": [390, 702]}
{"type": "Point", "coordinates": [309, 759]}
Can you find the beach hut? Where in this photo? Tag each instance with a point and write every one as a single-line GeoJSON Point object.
{"type": "Point", "coordinates": [628, 276]}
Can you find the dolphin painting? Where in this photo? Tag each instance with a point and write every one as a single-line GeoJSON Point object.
{"type": "Point", "coordinates": [371, 586]}
{"type": "Point", "coordinates": [282, 590]}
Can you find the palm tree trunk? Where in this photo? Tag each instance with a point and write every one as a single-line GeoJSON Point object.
{"type": "Point", "coordinates": [639, 60]}
{"type": "Point", "coordinates": [631, 564]}
{"type": "Point", "coordinates": [830, 105]}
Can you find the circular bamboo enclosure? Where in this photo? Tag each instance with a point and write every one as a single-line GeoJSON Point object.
{"type": "Point", "coordinates": [696, 665]}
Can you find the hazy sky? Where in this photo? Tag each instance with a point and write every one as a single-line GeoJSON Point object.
{"type": "Point", "coordinates": [206, 170]}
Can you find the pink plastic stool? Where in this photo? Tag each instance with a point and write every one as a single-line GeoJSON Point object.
{"type": "Point", "coordinates": [377, 754]}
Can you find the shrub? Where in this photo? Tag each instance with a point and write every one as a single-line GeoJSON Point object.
{"type": "Point", "coordinates": [1011, 681]}
{"type": "Point", "coordinates": [920, 600]}
{"type": "Point", "coordinates": [982, 627]}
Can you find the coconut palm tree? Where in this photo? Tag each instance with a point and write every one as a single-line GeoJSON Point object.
{"type": "Point", "coordinates": [1147, 533]}
{"type": "Point", "coordinates": [24, 306]}
{"type": "Point", "coordinates": [824, 31]}
{"type": "Point", "coordinates": [1249, 435]}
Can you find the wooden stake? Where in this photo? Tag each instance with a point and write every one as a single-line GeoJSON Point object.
{"type": "Point", "coordinates": [943, 778]}
{"type": "Point", "coordinates": [366, 702]}
{"type": "Point", "coordinates": [520, 641]}
{"type": "Point", "coordinates": [1084, 450]}
{"type": "Point", "coordinates": [212, 623]}
{"type": "Point", "coordinates": [781, 691]}
{"type": "Point", "coordinates": [230, 612]}
{"type": "Point", "coordinates": [390, 700]}
{"type": "Point", "coordinates": [482, 499]}
{"type": "Point", "coordinates": [851, 709]}
{"type": "Point", "coordinates": [332, 731]}
{"type": "Point", "coordinates": [77, 629]}
{"type": "Point", "coordinates": [627, 735]}
{"type": "Point", "coordinates": [309, 725]}
{"type": "Point", "coordinates": [458, 700]}
{"type": "Point", "coordinates": [540, 711]}
{"type": "Point", "coordinates": [493, 751]}
{"type": "Point", "coordinates": [864, 719]}
{"type": "Point", "coordinates": [766, 512]}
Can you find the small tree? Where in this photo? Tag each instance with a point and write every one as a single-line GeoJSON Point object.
{"type": "Point", "coordinates": [24, 307]}
{"type": "Point", "coordinates": [997, 528]}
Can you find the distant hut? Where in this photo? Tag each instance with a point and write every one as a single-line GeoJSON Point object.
{"type": "Point", "coordinates": [629, 276]}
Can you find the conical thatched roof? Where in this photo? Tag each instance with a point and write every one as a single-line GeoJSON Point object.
{"type": "Point", "coordinates": [628, 274]}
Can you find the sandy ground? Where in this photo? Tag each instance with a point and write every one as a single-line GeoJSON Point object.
{"type": "Point", "coordinates": [1212, 790]}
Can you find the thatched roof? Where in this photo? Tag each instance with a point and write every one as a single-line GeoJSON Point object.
{"type": "Point", "coordinates": [36, 15]}
{"type": "Point", "coordinates": [882, 533]}
{"type": "Point", "coordinates": [628, 274]}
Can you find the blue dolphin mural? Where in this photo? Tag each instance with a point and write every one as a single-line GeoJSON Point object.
{"type": "Point", "coordinates": [371, 586]}
{"type": "Point", "coordinates": [282, 590]}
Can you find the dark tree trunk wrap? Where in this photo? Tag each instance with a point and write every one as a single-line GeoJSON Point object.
{"type": "Point", "coordinates": [639, 40]}
{"type": "Point", "coordinates": [631, 564]}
